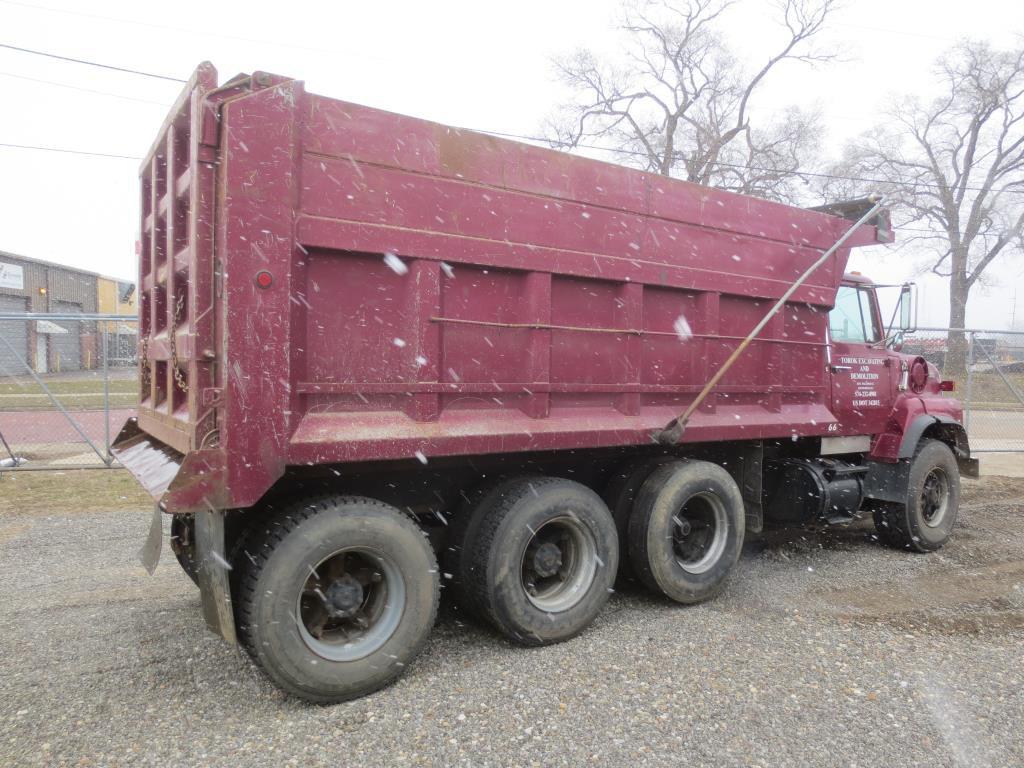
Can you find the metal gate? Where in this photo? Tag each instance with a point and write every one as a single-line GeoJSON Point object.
{"type": "Point", "coordinates": [988, 375]}
{"type": "Point", "coordinates": [52, 419]}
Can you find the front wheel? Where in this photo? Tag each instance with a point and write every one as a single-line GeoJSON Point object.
{"type": "Point", "coordinates": [926, 521]}
{"type": "Point", "coordinates": [336, 597]}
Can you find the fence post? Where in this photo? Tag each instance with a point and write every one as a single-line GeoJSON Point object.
{"type": "Point", "coordinates": [106, 394]}
{"type": "Point", "coordinates": [970, 380]}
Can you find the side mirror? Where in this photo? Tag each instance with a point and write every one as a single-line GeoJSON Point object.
{"type": "Point", "coordinates": [896, 344]}
{"type": "Point", "coordinates": [908, 315]}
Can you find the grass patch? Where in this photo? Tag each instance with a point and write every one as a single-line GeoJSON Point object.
{"type": "Point", "coordinates": [90, 385]}
{"type": "Point", "coordinates": [70, 492]}
{"type": "Point", "coordinates": [988, 387]}
{"type": "Point", "coordinates": [40, 402]}
{"type": "Point", "coordinates": [80, 393]}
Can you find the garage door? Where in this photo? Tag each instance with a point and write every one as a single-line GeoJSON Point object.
{"type": "Point", "coordinates": [15, 332]}
{"type": "Point", "coordinates": [68, 346]}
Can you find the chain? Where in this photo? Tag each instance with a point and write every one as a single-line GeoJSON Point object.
{"type": "Point", "coordinates": [145, 365]}
{"type": "Point", "coordinates": [179, 379]}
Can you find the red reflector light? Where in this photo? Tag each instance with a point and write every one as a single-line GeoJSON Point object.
{"type": "Point", "coordinates": [264, 279]}
{"type": "Point", "coordinates": [947, 386]}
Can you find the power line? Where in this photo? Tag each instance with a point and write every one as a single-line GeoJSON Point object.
{"type": "Point", "coordinates": [91, 63]}
{"type": "Point", "coordinates": [85, 90]}
{"type": "Point", "coordinates": [633, 153]}
{"type": "Point", "coordinates": [69, 151]}
{"type": "Point", "coordinates": [188, 30]}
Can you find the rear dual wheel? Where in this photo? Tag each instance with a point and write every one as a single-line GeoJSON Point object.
{"type": "Point", "coordinates": [336, 597]}
{"type": "Point", "coordinates": [686, 529]}
{"type": "Point", "coordinates": [535, 557]}
{"type": "Point", "coordinates": [620, 494]}
{"type": "Point", "coordinates": [183, 545]}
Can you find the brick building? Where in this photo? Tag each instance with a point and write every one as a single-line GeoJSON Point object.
{"type": "Point", "coordinates": [117, 297]}
{"type": "Point", "coordinates": [33, 285]}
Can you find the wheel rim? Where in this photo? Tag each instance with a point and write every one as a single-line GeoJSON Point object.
{"type": "Point", "coordinates": [934, 497]}
{"type": "Point", "coordinates": [699, 532]}
{"type": "Point", "coordinates": [350, 604]}
{"type": "Point", "coordinates": [559, 564]}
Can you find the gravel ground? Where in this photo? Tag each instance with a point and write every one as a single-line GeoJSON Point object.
{"type": "Point", "coordinates": [826, 649]}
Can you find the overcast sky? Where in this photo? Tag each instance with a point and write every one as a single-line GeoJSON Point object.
{"type": "Point", "coordinates": [476, 64]}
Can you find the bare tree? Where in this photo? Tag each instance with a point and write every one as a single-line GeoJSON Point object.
{"type": "Point", "coordinates": [679, 102]}
{"type": "Point", "coordinates": [956, 166]}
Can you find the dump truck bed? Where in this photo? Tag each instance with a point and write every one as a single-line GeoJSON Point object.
{"type": "Point", "coordinates": [324, 282]}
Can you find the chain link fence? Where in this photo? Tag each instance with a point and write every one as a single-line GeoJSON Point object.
{"type": "Point", "coordinates": [68, 382]}
{"type": "Point", "coordinates": [988, 368]}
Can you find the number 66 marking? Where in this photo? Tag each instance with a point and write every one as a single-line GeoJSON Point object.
{"type": "Point", "coordinates": [833, 427]}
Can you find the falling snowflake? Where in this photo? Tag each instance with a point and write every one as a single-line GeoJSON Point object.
{"type": "Point", "coordinates": [395, 264]}
{"type": "Point", "coordinates": [682, 329]}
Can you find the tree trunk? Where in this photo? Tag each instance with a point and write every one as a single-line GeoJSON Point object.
{"type": "Point", "coordinates": [956, 341]}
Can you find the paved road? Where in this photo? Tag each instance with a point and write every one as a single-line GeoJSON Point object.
{"type": "Point", "coordinates": [997, 430]}
{"type": "Point", "coordinates": [826, 649]}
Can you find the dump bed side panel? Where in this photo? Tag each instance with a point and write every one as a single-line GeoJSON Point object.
{"type": "Point", "coordinates": [537, 300]}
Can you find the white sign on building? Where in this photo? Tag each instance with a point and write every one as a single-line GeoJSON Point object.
{"type": "Point", "coordinates": [12, 276]}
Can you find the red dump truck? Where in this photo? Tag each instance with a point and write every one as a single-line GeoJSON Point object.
{"type": "Point", "coordinates": [381, 356]}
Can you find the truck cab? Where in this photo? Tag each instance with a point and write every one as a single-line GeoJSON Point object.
{"type": "Point", "coordinates": [888, 398]}
{"type": "Point", "coordinates": [860, 367]}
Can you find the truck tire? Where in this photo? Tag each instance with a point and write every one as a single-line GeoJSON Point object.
{"type": "Point", "coordinates": [183, 545]}
{"type": "Point", "coordinates": [619, 495]}
{"type": "Point", "coordinates": [536, 558]}
{"type": "Point", "coordinates": [336, 597]}
{"type": "Point", "coordinates": [926, 521]}
{"type": "Point", "coordinates": [686, 530]}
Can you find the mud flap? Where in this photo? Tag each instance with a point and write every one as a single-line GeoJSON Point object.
{"type": "Point", "coordinates": [214, 574]}
{"type": "Point", "coordinates": [750, 482]}
{"type": "Point", "coordinates": [969, 466]}
{"type": "Point", "coordinates": [150, 552]}
{"type": "Point", "coordinates": [887, 482]}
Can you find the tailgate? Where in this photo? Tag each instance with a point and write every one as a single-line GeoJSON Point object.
{"type": "Point", "coordinates": [177, 348]}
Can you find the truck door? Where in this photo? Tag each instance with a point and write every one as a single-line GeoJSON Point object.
{"type": "Point", "coordinates": [859, 366]}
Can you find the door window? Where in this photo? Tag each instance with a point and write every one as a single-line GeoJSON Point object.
{"type": "Point", "coordinates": [851, 320]}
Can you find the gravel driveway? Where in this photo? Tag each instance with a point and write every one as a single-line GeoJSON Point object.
{"type": "Point", "coordinates": [826, 649]}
